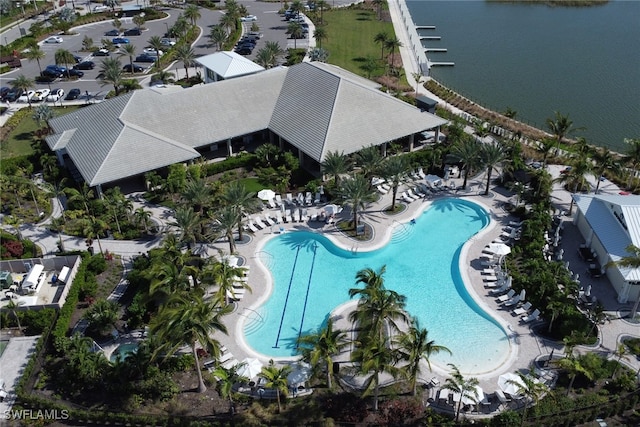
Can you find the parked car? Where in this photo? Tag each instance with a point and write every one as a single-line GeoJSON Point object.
{"type": "Point", "coordinates": [112, 33]}
{"type": "Point", "coordinates": [50, 75]}
{"type": "Point", "coordinates": [101, 8]}
{"type": "Point", "coordinates": [40, 95]}
{"type": "Point", "coordinates": [120, 40]}
{"type": "Point", "coordinates": [101, 52]}
{"type": "Point", "coordinates": [55, 95]}
{"type": "Point", "coordinates": [167, 42]}
{"type": "Point", "coordinates": [53, 39]}
{"type": "Point", "coordinates": [249, 18]}
{"type": "Point", "coordinates": [152, 52]}
{"type": "Point", "coordinates": [136, 68]}
{"type": "Point", "coordinates": [85, 65]}
{"type": "Point", "coordinates": [245, 50]}
{"type": "Point", "coordinates": [4, 90]}
{"type": "Point", "coordinates": [13, 94]}
{"type": "Point", "coordinates": [73, 94]}
{"type": "Point", "coordinates": [26, 96]}
{"type": "Point", "coordinates": [78, 58]}
{"type": "Point", "coordinates": [132, 32]}
{"type": "Point", "coordinates": [254, 34]}
{"type": "Point", "coordinates": [56, 69]}
{"type": "Point", "coordinates": [74, 73]}
{"type": "Point", "coordinates": [145, 58]}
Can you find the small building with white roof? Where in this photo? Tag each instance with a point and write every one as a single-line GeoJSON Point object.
{"type": "Point", "coordinates": [226, 65]}
{"type": "Point", "coordinates": [609, 224]}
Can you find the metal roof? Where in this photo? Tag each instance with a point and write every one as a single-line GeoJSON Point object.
{"type": "Point", "coordinates": [616, 221]}
{"type": "Point", "coordinates": [229, 64]}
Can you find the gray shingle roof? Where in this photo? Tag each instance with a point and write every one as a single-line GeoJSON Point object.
{"type": "Point", "coordinates": [315, 107]}
{"type": "Point", "coordinates": [599, 213]}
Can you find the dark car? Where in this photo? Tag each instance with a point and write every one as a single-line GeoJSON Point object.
{"type": "Point", "coordinates": [4, 91]}
{"type": "Point", "coordinates": [85, 65]}
{"type": "Point", "coordinates": [145, 58]}
{"type": "Point", "coordinates": [101, 52]}
{"type": "Point", "coordinates": [245, 50]}
{"type": "Point", "coordinates": [136, 68]}
{"type": "Point", "coordinates": [49, 74]}
{"type": "Point", "coordinates": [55, 69]}
{"type": "Point", "coordinates": [120, 40]}
{"type": "Point", "coordinates": [13, 94]}
{"type": "Point", "coordinates": [74, 73]}
{"type": "Point", "coordinates": [73, 94]}
{"type": "Point", "coordinates": [112, 33]}
{"type": "Point", "coordinates": [77, 58]}
{"type": "Point", "coordinates": [132, 32]}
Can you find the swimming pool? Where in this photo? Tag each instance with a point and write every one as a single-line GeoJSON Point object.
{"type": "Point", "coordinates": [311, 277]}
{"type": "Point", "coordinates": [123, 350]}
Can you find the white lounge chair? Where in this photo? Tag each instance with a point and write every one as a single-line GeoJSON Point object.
{"type": "Point", "coordinates": [522, 309]}
{"type": "Point", "coordinates": [269, 220]}
{"type": "Point", "coordinates": [271, 203]}
{"type": "Point", "coordinates": [413, 195]}
{"type": "Point", "coordinates": [279, 217]}
{"type": "Point", "coordinates": [298, 215]}
{"type": "Point", "coordinates": [501, 397]}
{"type": "Point", "coordinates": [513, 301]}
{"type": "Point", "coordinates": [289, 199]}
{"type": "Point", "coordinates": [507, 296]}
{"type": "Point", "coordinates": [421, 173]}
{"type": "Point", "coordinates": [532, 317]}
{"type": "Point", "coordinates": [490, 279]}
{"type": "Point", "coordinates": [317, 199]}
{"type": "Point", "coordinates": [406, 197]}
{"type": "Point", "coordinates": [385, 186]}
{"type": "Point", "coordinates": [308, 198]}
{"type": "Point", "coordinates": [259, 222]}
{"type": "Point", "coordinates": [287, 216]}
{"type": "Point", "coordinates": [251, 226]}
{"type": "Point", "coordinates": [300, 199]}
{"type": "Point", "coordinates": [419, 192]}
{"type": "Point", "coordinates": [230, 363]}
{"type": "Point", "coordinates": [502, 289]}
{"type": "Point", "coordinates": [516, 223]}
{"type": "Point", "coordinates": [381, 190]}
{"type": "Point", "coordinates": [278, 200]}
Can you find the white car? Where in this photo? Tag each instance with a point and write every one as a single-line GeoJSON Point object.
{"type": "Point", "coordinates": [53, 39]}
{"type": "Point", "coordinates": [249, 18]}
{"type": "Point", "coordinates": [100, 8]}
{"type": "Point", "coordinates": [56, 95]}
{"type": "Point", "coordinates": [152, 52]}
{"type": "Point", "coordinates": [167, 42]}
{"type": "Point", "coordinates": [40, 95]}
{"type": "Point", "coordinates": [27, 96]}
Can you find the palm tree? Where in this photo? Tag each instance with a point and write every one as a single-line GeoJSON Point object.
{"type": "Point", "coordinates": [227, 378]}
{"type": "Point", "coordinates": [187, 319]}
{"type": "Point", "coordinates": [164, 76]}
{"type": "Point", "coordinates": [466, 387]}
{"type": "Point", "coordinates": [197, 194]}
{"type": "Point", "coordinates": [545, 146]}
{"type": "Point", "coordinates": [63, 56]}
{"type": "Point", "coordinates": [632, 156]}
{"type": "Point", "coordinates": [43, 113]}
{"type": "Point", "coordinates": [142, 217]}
{"type": "Point", "coordinates": [321, 5]}
{"type": "Point", "coordinates": [321, 346]}
{"type": "Point", "coordinates": [228, 21]}
{"type": "Point", "coordinates": [295, 29]}
{"type": "Point", "coordinates": [492, 155]}
{"type": "Point", "coordinates": [369, 160]}
{"type": "Point", "coordinates": [224, 222]}
{"type": "Point", "coordinates": [556, 308]}
{"type": "Point", "coordinates": [237, 195]}
{"type": "Point", "coordinates": [35, 53]}
{"type": "Point", "coordinates": [530, 388]}
{"type": "Point", "coordinates": [111, 73]}
{"type": "Point", "coordinates": [93, 228]}
{"type": "Point", "coordinates": [382, 39]}
{"type": "Point", "coordinates": [335, 163]}
{"type": "Point", "coordinates": [573, 366]}
{"type": "Point", "coordinates": [130, 51]}
{"type": "Point", "coordinates": [186, 55]}
{"type": "Point", "coordinates": [468, 151]}
{"type": "Point", "coordinates": [415, 346]}
{"type": "Point", "coordinates": [320, 34]}
{"type": "Point", "coordinates": [102, 316]}
{"type": "Point", "coordinates": [155, 43]}
{"type": "Point", "coordinates": [356, 192]}
{"type": "Point", "coordinates": [12, 306]}
{"type": "Point", "coordinates": [188, 221]}
{"type": "Point", "coordinates": [192, 13]}
{"type": "Point", "coordinates": [393, 43]}
{"type": "Point", "coordinates": [218, 36]}
{"type": "Point", "coordinates": [24, 83]}
{"type": "Point", "coordinates": [272, 53]}
{"type": "Point", "coordinates": [226, 277]}
{"type": "Point", "coordinates": [129, 85]}
{"type": "Point", "coordinates": [561, 127]}
{"type": "Point", "coordinates": [630, 261]}
{"type": "Point", "coordinates": [576, 178]}
{"type": "Point", "coordinates": [84, 195]}
{"type": "Point", "coordinates": [604, 160]}
{"type": "Point", "coordinates": [394, 170]}
{"type": "Point", "coordinates": [170, 276]}
{"type": "Point", "coordinates": [375, 357]}
{"type": "Point", "coordinates": [276, 378]}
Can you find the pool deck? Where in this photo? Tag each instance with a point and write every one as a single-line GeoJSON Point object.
{"type": "Point", "coordinates": [526, 347]}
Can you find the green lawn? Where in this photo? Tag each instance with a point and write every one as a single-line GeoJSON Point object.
{"type": "Point", "coordinates": [252, 184]}
{"type": "Point", "coordinates": [350, 38]}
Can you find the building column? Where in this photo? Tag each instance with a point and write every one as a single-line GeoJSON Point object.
{"type": "Point", "coordinates": [280, 143]}
{"type": "Point", "coordinates": [301, 157]}
{"type": "Point", "coordinates": [229, 148]}
{"type": "Point", "coordinates": [384, 149]}
{"type": "Point", "coordinates": [412, 138]}
{"type": "Point", "coordinates": [437, 135]}
{"type": "Point", "coordinates": [99, 192]}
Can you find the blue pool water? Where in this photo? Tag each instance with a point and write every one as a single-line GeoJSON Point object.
{"type": "Point", "coordinates": [311, 277]}
{"type": "Point", "coordinates": [123, 350]}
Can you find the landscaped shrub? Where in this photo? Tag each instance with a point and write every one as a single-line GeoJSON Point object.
{"type": "Point", "coordinates": [14, 249]}
{"type": "Point", "coordinates": [97, 264]}
{"type": "Point", "coordinates": [36, 322]}
{"type": "Point", "coordinates": [242, 160]}
{"type": "Point", "coordinates": [62, 325]}
{"type": "Point", "coordinates": [345, 407]}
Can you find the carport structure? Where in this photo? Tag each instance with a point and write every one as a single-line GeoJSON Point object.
{"type": "Point", "coordinates": [311, 108]}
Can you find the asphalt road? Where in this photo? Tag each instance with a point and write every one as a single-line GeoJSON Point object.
{"type": "Point", "coordinates": [271, 24]}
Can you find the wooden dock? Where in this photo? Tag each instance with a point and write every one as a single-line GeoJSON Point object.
{"type": "Point", "coordinates": [430, 38]}
{"type": "Point", "coordinates": [425, 27]}
{"type": "Point", "coordinates": [442, 64]}
{"type": "Point", "coordinates": [435, 49]}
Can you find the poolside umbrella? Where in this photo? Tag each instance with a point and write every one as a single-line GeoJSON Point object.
{"type": "Point", "coordinates": [266, 194]}
{"type": "Point", "coordinates": [332, 209]}
{"type": "Point", "coordinates": [499, 249]}
{"type": "Point", "coordinates": [299, 375]}
{"type": "Point", "coordinates": [509, 383]}
{"type": "Point", "coordinates": [250, 367]}
{"type": "Point", "coordinates": [477, 397]}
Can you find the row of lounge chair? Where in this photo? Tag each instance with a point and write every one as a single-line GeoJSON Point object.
{"type": "Point", "coordinates": [300, 199]}
{"type": "Point", "coordinates": [500, 287]}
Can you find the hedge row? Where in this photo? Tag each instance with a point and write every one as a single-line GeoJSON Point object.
{"type": "Point", "coordinates": [242, 160]}
{"type": "Point", "coordinates": [64, 318]}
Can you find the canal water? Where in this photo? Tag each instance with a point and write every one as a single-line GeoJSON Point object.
{"type": "Point", "coordinates": [537, 59]}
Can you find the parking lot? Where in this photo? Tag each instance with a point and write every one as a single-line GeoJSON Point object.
{"type": "Point", "coordinates": [271, 25]}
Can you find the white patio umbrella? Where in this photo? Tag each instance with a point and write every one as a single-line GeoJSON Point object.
{"type": "Point", "coordinates": [478, 396]}
{"type": "Point", "coordinates": [266, 194]}
{"type": "Point", "coordinates": [509, 383]}
{"type": "Point", "coordinates": [300, 374]}
{"type": "Point", "coordinates": [499, 249]}
{"type": "Point", "coordinates": [332, 209]}
{"type": "Point", "coordinates": [250, 367]}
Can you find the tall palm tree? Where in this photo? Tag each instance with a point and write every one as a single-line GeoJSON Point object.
{"type": "Point", "coordinates": [42, 114]}
{"type": "Point", "coordinates": [93, 228]}
{"type": "Point", "coordinates": [335, 163]}
{"type": "Point", "coordinates": [192, 13]}
{"type": "Point", "coordinates": [226, 277]}
{"type": "Point", "coordinates": [357, 193]}
{"type": "Point", "coordinates": [381, 38]}
{"type": "Point", "coordinates": [576, 178]}
{"type": "Point", "coordinates": [142, 217]}
{"type": "Point", "coordinates": [164, 76]}
{"type": "Point", "coordinates": [84, 194]}
{"type": "Point", "coordinates": [102, 316]}
{"type": "Point", "coordinates": [573, 366]}
{"type": "Point", "coordinates": [229, 21]}
{"type": "Point", "coordinates": [321, 5]}
{"type": "Point", "coordinates": [111, 73]}
{"type": "Point", "coordinates": [392, 44]}
{"type": "Point", "coordinates": [197, 194]}
{"type": "Point", "coordinates": [415, 346]}
{"type": "Point", "coordinates": [468, 151]}
{"type": "Point", "coordinates": [218, 36]}
{"type": "Point", "coordinates": [188, 221]}
{"type": "Point", "coordinates": [530, 388]}
{"type": "Point", "coordinates": [318, 348]}
{"type": "Point", "coordinates": [170, 277]}
{"type": "Point", "coordinates": [12, 306]}
{"type": "Point", "coordinates": [492, 156]}
{"type": "Point", "coordinates": [22, 82]}
{"type": "Point", "coordinates": [395, 170]}
{"type": "Point", "coordinates": [630, 261]}
{"type": "Point", "coordinates": [375, 357]}
{"type": "Point", "coordinates": [276, 378]}
{"type": "Point", "coordinates": [632, 156]}
{"type": "Point", "coordinates": [186, 55]}
{"type": "Point", "coordinates": [223, 223]}
{"type": "Point", "coordinates": [35, 53]}
{"type": "Point", "coordinates": [130, 51]}
{"type": "Point", "coordinates": [369, 160]}
{"type": "Point", "coordinates": [320, 34]}
{"type": "Point", "coordinates": [245, 201]}
{"type": "Point", "coordinates": [187, 319]}
{"type": "Point", "coordinates": [295, 29]}
{"type": "Point", "coordinates": [129, 85]}
{"type": "Point", "coordinates": [561, 127]}
{"type": "Point", "coordinates": [155, 43]}
{"type": "Point", "coordinates": [545, 146]}
{"type": "Point", "coordinates": [466, 387]}
{"type": "Point", "coordinates": [226, 379]}
{"type": "Point", "coordinates": [604, 160]}
{"type": "Point", "coordinates": [63, 56]}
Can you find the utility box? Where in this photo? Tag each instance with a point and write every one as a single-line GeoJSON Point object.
{"type": "Point", "coordinates": [424, 103]}
{"type": "Point", "coordinates": [6, 279]}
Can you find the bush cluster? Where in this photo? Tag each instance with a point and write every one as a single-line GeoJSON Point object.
{"type": "Point", "coordinates": [63, 323]}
